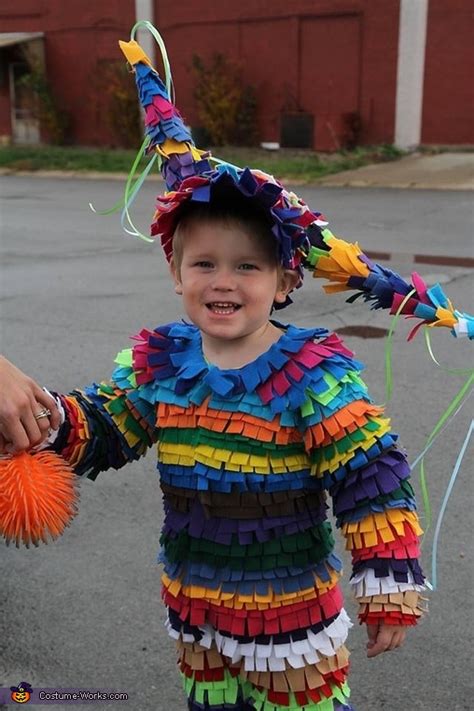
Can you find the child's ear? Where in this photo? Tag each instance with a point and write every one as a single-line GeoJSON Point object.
{"type": "Point", "coordinates": [178, 287]}
{"type": "Point", "coordinates": [287, 280]}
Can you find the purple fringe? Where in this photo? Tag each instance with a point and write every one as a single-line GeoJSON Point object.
{"type": "Point", "coordinates": [376, 479]}
{"type": "Point", "coordinates": [221, 530]}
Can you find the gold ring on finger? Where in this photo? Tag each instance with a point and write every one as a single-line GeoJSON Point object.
{"type": "Point", "coordinates": [43, 413]}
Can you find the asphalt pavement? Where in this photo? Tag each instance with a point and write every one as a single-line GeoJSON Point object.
{"type": "Point", "coordinates": [85, 611]}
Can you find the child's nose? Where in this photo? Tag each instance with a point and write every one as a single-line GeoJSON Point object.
{"type": "Point", "coordinates": [224, 280]}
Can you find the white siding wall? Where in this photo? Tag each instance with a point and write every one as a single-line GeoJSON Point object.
{"type": "Point", "coordinates": [144, 11]}
{"type": "Point", "coordinates": [410, 72]}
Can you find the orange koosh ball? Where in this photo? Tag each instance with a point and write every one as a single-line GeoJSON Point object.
{"type": "Point", "coordinates": [38, 497]}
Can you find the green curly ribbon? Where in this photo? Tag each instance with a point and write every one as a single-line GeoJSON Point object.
{"type": "Point", "coordinates": [164, 55]}
{"type": "Point", "coordinates": [452, 409]}
{"type": "Point", "coordinates": [454, 371]}
{"type": "Point", "coordinates": [131, 192]}
{"type": "Point", "coordinates": [133, 186]}
{"type": "Point", "coordinates": [450, 412]}
{"type": "Point", "coordinates": [121, 203]}
{"type": "Point", "coordinates": [452, 481]}
{"type": "Point", "coordinates": [389, 348]}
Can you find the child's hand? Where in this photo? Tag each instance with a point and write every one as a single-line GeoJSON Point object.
{"type": "Point", "coordinates": [384, 638]}
{"type": "Point", "coordinates": [21, 400]}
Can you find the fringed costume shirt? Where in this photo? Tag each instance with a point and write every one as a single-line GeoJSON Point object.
{"type": "Point", "coordinates": [246, 459]}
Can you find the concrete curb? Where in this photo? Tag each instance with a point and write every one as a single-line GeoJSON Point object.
{"type": "Point", "coordinates": [329, 182]}
{"type": "Point", "coordinates": [78, 174]}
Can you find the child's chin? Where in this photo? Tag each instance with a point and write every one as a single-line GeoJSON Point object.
{"type": "Point", "coordinates": [223, 330]}
{"type": "Point", "coordinates": [218, 330]}
{"type": "Point", "coordinates": [214, 320]}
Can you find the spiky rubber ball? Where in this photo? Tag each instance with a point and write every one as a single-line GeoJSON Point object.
{"type": "Point", "coordinates": [38, 497]}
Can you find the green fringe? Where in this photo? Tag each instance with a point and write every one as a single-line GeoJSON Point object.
{"type": "Point", "coordinates": [299, 549]}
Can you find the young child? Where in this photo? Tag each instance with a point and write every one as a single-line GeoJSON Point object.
{"type": "Point", "coordinates": [255, 423]}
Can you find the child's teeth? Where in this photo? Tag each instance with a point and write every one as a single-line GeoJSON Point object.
{"type": "Point", "coordinates": [223, 307]}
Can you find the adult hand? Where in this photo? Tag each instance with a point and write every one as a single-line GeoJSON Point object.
{"type": "Point", "coordinates": [384, 638]}
{"type": "Point", "coordinates": [21, 401]}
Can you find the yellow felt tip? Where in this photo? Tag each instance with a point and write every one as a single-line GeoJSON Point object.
{"type": "Point", "coordinates": [134, 53]}
{"type": "Point", "coordinates": [171, 146]}
{"type": "Point", "coordinates": [445, 318]}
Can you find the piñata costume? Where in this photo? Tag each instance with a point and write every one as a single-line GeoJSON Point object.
{"type": "Point", "coordinates": [246, 458]}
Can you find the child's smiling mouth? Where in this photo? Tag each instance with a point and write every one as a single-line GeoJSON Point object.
{"type": "Point", "coordinates": [223, 308]}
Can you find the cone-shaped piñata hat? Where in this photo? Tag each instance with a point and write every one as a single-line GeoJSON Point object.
{"type": "Point", "coordinates": [302, 235]}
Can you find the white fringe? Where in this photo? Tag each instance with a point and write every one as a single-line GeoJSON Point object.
{"type": "Point", "coordinates": [274, 657]}
{"type": "Point", "coordinates": [365, 584]}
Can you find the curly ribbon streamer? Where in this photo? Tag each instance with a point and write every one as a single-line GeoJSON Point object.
{"type": "Point", "coordinates": [219, 161]}
{"type": "Point", "coordinates": [389, 348]}
{"type": "Point", "coordinates": [457, 466]}
{"type": "Point", "coordinates": [448, 414]}
{"type": "Point", "coordinates": [440, 432]}
{"type": "Point", "coordinates": [120, 204]}
{"type": "Point", "coordinates": [131, 191]}
{"type": "Point", "coordinates": [164, 54]}
{"type": "Point", "coordinates": [454, 371]}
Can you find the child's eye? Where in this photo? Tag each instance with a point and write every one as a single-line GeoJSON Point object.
{"type": "Point", "coordinates": [204, 264]}
{"type": "Point", "coordinates": [248, 267]}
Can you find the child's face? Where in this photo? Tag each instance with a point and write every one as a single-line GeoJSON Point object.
{"type": "Point", "coordinates": [228, 281]}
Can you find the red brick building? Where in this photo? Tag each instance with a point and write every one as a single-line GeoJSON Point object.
{"type": "Point", "coordinates": [399, 67]}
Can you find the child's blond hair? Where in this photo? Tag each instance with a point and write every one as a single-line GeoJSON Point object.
{"type": "Point", "coordinates": [232, 210]}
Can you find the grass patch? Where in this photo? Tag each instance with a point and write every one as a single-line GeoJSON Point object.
{"type": "Point", "coordinates": [65, 158]}
{"type": "Point", "coordinates": [290, 164]}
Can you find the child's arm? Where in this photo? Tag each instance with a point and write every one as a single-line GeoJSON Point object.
{"type": "Point", "coordinates": [108, 424]}
{"type": "Point", "coordinates": [104, 425]}
{"type": "Point", "coordinates": [354, 453]}
{"type": "Point", "coordinates": [21, 400]}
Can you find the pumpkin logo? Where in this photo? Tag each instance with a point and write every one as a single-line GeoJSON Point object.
{"type": "Point", "coordinates": [21, 694]}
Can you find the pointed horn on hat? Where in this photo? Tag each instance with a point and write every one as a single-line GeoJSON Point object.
{"type": "Point", "coordinates": [164, 126]}
{"type": "Point", "coordinates": [302, 234]}
{"type": "Point", "coordinates": [347, 268]}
